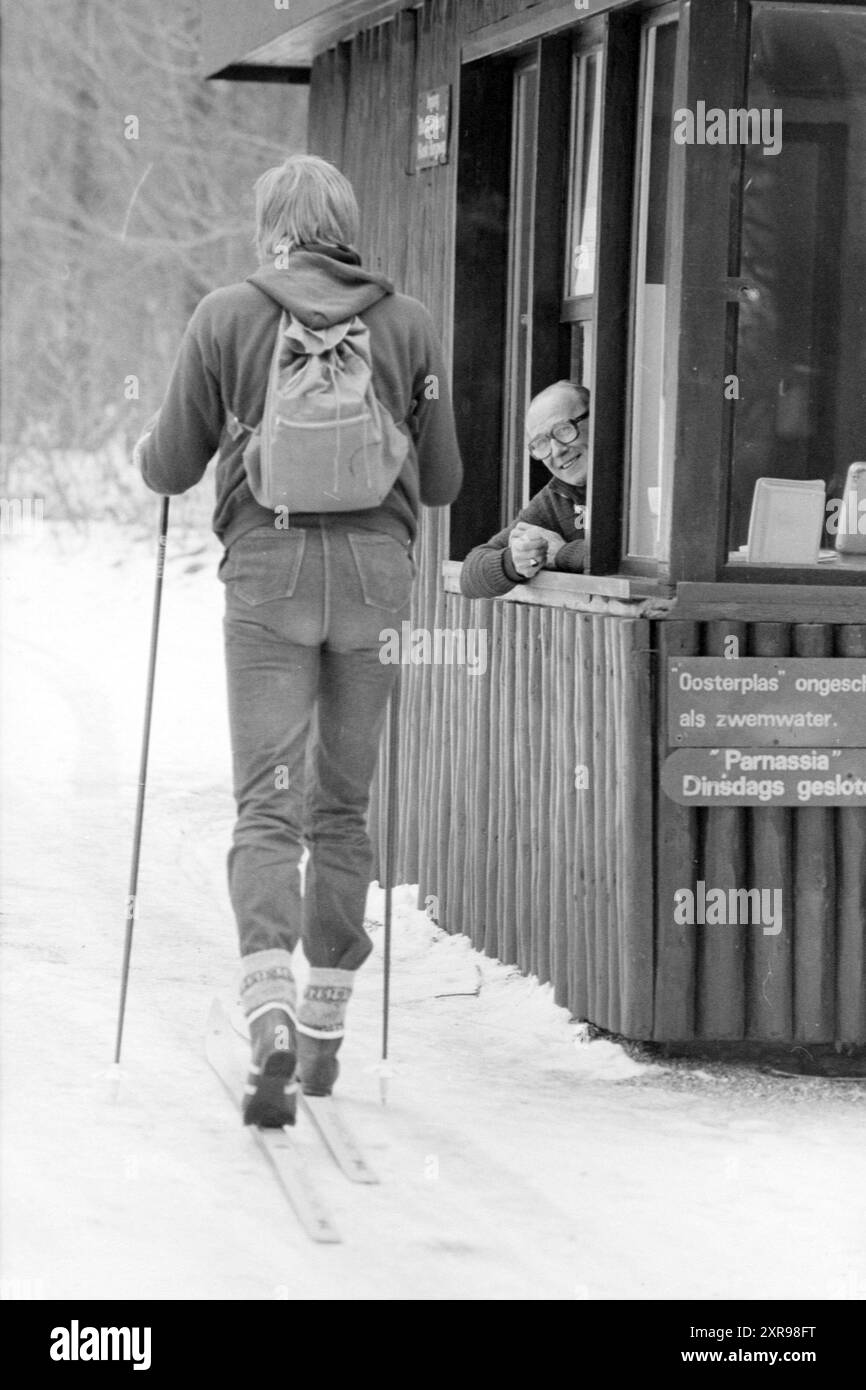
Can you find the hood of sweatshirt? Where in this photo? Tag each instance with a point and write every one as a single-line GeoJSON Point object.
{"type": "Point", "coordinates": [322, 285]}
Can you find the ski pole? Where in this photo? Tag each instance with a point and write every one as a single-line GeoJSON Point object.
{"type": "Point", "coordinates": [142, 781]}
{"type": "Point", "coordinates": [390, 868]}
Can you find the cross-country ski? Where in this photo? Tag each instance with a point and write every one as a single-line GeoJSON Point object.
{"type": "Point", "coordinates": [276, 1145]}
{"type": "Point", "coordinates": [323, 1111]}
{"type": "Point", "coordinates": [331, 1124]}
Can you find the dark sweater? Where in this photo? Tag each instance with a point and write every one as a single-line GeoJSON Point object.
{"type": "Point", "coordinates": [221, 372]}
{"type": "Point", "coordinates": [488, 570]}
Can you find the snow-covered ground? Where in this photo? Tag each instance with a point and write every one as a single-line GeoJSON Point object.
{"type": "Point", "coordinates": [518, 1161]}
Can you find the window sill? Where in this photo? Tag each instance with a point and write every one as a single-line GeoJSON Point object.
{"type": "Point", "coordinates": [626, 595]}
{"type": "Point", "coordinates": [781, 601]}
{"type": "Point", "coordinates": [840, 569]}
{"type": "Point", "coordinates": [794, 596]}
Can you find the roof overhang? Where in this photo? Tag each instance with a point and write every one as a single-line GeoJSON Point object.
{"type": "Point", "coordinates": [243, 39]}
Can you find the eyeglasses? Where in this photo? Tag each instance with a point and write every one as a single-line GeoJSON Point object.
{"type": "Point", "coordinates": [541, 447]}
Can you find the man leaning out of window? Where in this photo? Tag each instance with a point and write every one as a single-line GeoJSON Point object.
{"type": "Point", "coordinates": [549, 532]}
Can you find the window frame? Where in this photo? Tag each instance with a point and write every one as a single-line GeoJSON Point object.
{"type": "Point", "coordinates": [517, 366]}
{"type": "Point", "coordinates": [715, 53]}
{"type": "Point", "coordinates": [587, 41]}
{"type": "Point", "coordinates": [634, 561]}
{"type": "Point", "coordinates": [605, 495]}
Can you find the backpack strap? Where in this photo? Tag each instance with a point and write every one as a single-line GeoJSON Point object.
{"type": "Point", "coordinates": [236, 426]}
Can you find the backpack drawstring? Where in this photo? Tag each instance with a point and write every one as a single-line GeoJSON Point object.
{"type": "Point", "coordinates": [366, 451]}
{"type": "Point", "coordinates": [332, 369]}
{"type": "Point", "coordinates": [367, 458]}
{"type": "Point", "coordinates": [336, 388]}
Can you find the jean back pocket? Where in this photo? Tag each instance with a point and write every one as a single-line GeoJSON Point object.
{"type": "Point", "coordinates": [262, 566]}
{"type": "Point", "coordinates": [385, 568]}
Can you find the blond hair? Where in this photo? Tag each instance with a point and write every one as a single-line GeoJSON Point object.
{"type": "Point", "coordinates": [305, 199]}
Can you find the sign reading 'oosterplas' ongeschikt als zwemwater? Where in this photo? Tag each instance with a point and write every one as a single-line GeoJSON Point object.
{"type": "Point", "coordinates": [766, 702]}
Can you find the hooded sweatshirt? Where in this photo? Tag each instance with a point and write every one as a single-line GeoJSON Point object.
{"type": "Point", "coordinates": [216, 393]}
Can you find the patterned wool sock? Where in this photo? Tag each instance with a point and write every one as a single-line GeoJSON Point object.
{"type": "Point", "coordinates": [267, 978]}
{"type": "Point", "coordinates": [322, 1010]}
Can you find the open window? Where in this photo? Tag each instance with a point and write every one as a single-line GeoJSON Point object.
{"type": "Point", "coordinates": [509, 339]}
{"type": "Point", "coordinates": [576, 286]}
{"type": "Point", "coordinates": [670, 207]}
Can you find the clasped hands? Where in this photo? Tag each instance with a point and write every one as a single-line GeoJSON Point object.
{"type": "Point", "coordinates": [533, 548]}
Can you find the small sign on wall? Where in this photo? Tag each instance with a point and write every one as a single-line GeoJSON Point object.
{"type": "Point", "coordinates": [432, 124]}
{"type": "Point", "coordinates": [766, 777]}
{"type": "Point", "coordinates": [767, 702]}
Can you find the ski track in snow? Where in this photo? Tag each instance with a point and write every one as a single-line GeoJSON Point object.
{"type": "Point", "coordinates": [516, 1163]}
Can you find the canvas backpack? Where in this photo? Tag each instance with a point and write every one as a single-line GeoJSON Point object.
{"type": "Point", "coordinates": [325, 442]}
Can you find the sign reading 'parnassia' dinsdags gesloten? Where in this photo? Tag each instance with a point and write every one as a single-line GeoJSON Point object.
{"type": "Point", "coordinates": [766, 776]}
{"type": "Point", "coordinates": [766, 702]}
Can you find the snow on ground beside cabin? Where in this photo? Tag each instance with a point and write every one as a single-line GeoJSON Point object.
{"type": "Point", "coordinates": [518, 1162]}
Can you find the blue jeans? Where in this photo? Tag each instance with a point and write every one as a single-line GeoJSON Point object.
{"type": "Point", "coordinates": [307, 698]}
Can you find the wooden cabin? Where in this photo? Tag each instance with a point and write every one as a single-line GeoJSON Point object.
{"type": "Point", "coordinates": [666, 202]}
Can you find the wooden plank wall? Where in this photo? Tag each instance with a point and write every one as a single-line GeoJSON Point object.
{"type": "Point", "coordinates": [537, 869]}
{"type": "Point", "coordinates": [808, 983]}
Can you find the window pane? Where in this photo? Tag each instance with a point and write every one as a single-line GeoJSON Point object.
{"type": "Point", "coordinates": [648, 476]}
{"type": "Point", "coordinates": [583, 218]}
{"type": "Point", "coordinates": [800, 412]}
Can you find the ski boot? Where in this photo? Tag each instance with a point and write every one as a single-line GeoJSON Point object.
{"type": "Point", "coordinates": [321, 1024]}
{"type": "Point", "coordinates": [268, 997]}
